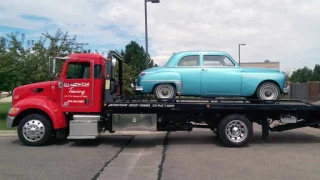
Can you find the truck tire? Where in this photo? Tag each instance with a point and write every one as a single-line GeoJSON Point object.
{"type": "Point", "coordinates": [235, 130]}
{"type": "Point", "coordinates": [34, 130]}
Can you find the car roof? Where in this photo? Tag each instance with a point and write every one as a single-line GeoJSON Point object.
{"type": "Point", "coordinates": [201, 52]}
{"type": "Point", "coordinates": [177, 55]}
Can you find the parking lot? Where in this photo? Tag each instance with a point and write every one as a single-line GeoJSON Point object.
{"type": "Point", "coordinates": [176, 155]}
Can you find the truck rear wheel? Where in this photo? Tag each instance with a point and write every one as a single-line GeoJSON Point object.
{"type": "Point", "coordinates": [165, 91]}
{"type": "Point", "coordinates": [34, 130]}
{"type": "Point", "coordinates": [235, 130]}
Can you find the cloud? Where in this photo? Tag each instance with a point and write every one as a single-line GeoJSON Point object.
{"type": "Point", "coordinates": [285, 31]}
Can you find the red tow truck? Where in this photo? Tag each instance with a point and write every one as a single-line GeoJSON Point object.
{"type": "Point", "coordinates": [87, 100]}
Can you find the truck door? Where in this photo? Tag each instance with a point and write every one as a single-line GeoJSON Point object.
{"type": "Point", "coordinates": [77, 84]}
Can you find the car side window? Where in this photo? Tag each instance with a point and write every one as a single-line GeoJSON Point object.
{"type": "Point", "coordinates": [216, 60]}
{"type": "Point", "coordinates": [193, 60]}
{"type": "Point", "coordinates": [78, 70]}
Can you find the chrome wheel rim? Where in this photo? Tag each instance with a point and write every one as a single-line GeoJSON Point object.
{"type": "Point", "coordinates": [33, 130]}
{"type": "Point", "coordinates": [165, 91]}
{"type": "Point", "coordinates": [269, 92]}
{"type": "Point", "coordinates": [236, 131]}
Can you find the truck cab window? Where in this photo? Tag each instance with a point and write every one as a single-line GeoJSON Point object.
{"type": "Point", "coordinates": [78, 70]}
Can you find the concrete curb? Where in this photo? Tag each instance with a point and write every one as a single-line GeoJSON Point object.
{"type": "Point", "coordinates": [6, 99]}
{"type": "Point", "coordinates": [13, 133]}
{"type": "Point", "coordinates": [8, 133]}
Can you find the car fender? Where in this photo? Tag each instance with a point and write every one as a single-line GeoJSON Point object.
{"type": "Point", "coordinates": [149, 80]}
{"type": "Point", "coordinates": [251, 81]}
{"type": "Point", "coordinates": [43, 104]}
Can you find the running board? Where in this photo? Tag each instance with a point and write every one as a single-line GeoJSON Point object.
{"type": "Point", "coordinates": [82, 137]}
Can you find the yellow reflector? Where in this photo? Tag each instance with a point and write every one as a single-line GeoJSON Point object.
{"type": "Point", "coordinates": [14, 110]}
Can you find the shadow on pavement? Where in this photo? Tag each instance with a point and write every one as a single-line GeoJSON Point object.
{"type": "Point", "coordinates": [177, 138]}
{"type": "Point", "coordinates": [286, 138]}
{"type": "Point", "coordinates": [116, 141]}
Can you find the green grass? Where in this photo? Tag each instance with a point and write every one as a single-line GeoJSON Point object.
{"type": "Point", "coordinates": [4, 108]}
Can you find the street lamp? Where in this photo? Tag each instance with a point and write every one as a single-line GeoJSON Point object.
{"type": "Point", "coordinates": [146, 28]}
{"type": "Point", "coordinates": [239, 51]}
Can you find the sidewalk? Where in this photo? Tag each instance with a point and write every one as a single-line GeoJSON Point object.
{"type": "Point", "coordinates": [8, 133]}
{"type": "Point", "coordinates": [316, 103]}
{"type": "Point", "coordinates": [6, 99]}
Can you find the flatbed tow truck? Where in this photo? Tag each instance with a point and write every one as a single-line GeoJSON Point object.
{"type": "Point", "coordinates": [87, 100]}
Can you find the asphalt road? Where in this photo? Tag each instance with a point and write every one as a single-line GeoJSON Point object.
{"type": "Point", "coordinates": [179, 155]}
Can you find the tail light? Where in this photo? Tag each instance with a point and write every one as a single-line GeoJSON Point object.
{"type": "Point", "coordinates": [142, 74]}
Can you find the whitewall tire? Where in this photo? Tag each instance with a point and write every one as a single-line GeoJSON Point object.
{"type": "Point", "coordinates": [165, 91]}
{"type": "Point", "coordinates": [268, 91]}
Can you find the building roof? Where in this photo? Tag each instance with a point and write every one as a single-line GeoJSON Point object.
{"type": "Point", "coordinates": [275, 62]}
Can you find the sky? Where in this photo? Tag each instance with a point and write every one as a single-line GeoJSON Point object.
{"type": "Point", "coordinates": [287, 31]}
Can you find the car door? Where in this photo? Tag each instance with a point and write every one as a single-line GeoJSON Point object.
{"type": "Point", "coordinates": [220, 76]}
{"type": "Point", "coordinates": [77, 85]}
{"type": "Point", "coordinates": [188, 67]}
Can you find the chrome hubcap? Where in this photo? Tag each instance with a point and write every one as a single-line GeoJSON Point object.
{"type": "Point", "coordinates": [165, 91]}
{"type": "Point", "coordinates": [33, 130]}
{"type": "Point", "coordinates": [269, 92]}
{"type": "Point", "coordinates": [236, 131]}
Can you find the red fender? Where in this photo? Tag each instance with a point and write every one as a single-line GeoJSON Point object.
{"type": "Point", "coordinates": [47, 105]}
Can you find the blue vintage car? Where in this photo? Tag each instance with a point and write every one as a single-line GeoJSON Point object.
{"type": "Point", "coordinates": [210, 74]}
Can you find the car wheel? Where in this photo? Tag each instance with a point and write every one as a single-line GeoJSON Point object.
{"type": "Point", "coordinates": [235, 130]}
{"type": "Point", "coordinates": [34, 130]}
{"type": "Point", "coordinates": [268, 91]}
{"type": "Point", "coordinates": [165, 91]}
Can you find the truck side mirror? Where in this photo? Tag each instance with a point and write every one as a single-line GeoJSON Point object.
{"type": "Point", "coordinates": [52, 70]}
{"type": "Point", "coordinates": [57, 76]}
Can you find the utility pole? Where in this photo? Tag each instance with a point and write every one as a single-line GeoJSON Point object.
{"type": "Point", "coordinates": [146, 28]}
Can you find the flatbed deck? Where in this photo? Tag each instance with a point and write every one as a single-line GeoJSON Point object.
{"type": "Point", "coordinates": [185, 114]}
{"type": "Point", "coordinates": [214, 104]}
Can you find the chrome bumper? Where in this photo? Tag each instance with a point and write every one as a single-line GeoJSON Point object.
{"type": "Point", "coordinates": [10, 120]}
{"type": "Point", "coordinates": [285, 90]}
{"type": "Point", "coordinates": [136, 88]}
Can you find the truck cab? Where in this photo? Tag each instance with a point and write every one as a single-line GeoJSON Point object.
{"type": "Point", "coordinates": [45, 109]}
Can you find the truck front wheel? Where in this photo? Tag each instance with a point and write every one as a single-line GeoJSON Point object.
{"type": "Point", "coordinates": [34, 130]}
{"type": "Point", "coordinates": [235, 130]}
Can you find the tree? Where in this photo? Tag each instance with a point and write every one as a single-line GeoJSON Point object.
{"type": "Point", "coordinates": [302, 75]}
{"type": "Point", "coordinates": [24, 62]}
{"type": "Point", "coordinates": [134, 63]}
{"type": "Point", "coordinates": [11, 61]}
{"type": "Point", "coordinates": [305, 74]}
{"type": "Point", "coordinates": [134, 55]}
{"type": "Point", "coordinates": [316, 73]}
